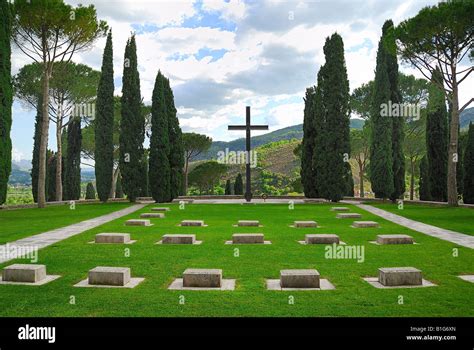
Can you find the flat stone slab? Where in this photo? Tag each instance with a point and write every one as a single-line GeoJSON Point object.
{"type": "Point", "coordinates": [109, 276]}
{"type": "Point", "coordinates": [321, 239]}
{"type": "Point", "coordinates": [305, 224]}
{"type": "Point", "coordinates": [365, 224]}
{"type": "Point", "coordinates": [248, 238]}
{"type": "Point", "coordinates": [340, 209]}
{"type": "Point", "coordinates": [226, 284]}
{"type": "Point", "coordinates": [193, 223]}
{"type": "Point", "coordinates": [252, 223]}
{"type": "Point", "coordinates": [394, 239]}
{"type": "Point", "coordinates": [348, 216]}
{"type": "Point", "coordinates": [45, 280]}
{"type": "Point", "coordinates": [27, 273]}
{"type": "Point", "coordinates": [134, 281]}
{"type": "Point", "coordinates": [400, 276]}
{"type": "Point", "coordinates": [202, 278]}
{"type": "Point", "coordinates": [112, 238]}
{"type": "Point", "coordinates": [468, 278]}
{"type": "Point", "coordinates": [304, 278]}
{"type": "Point", "coordinates": [178, 239]}
{"type": "Point", "coordinates": [160, 209]}
{"type": "Point", "coordinates": [137, 222]}
{"type": "Point", "coordinates": [152, 216]}
{"type": "Point", "coordinates": [374, 281]}
{"type": "Point", "coordinates": [324, 284]}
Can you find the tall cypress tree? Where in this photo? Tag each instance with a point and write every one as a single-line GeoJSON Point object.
{"type": "Point", "coordinates": [335, 98]}
{"type": "Point", "coordinates": [36, 148]}
{"type": "Point", "coordinates": [238, 185]}
{"type": "Point", "coordinates": [424, 180]}
{"type": "Point", "coordinates": [320, 172]}
{"type": "Point", "coordinates": [132, 124]}
{"type": "Point", "coordinates": [381, 163]}
{"type": "Point", "coordinates": [437, 140]}
{"type": "Point", "coordinates": [307, 171]}
{"type": "Point", "coordinates": [176, 155]}
{"type": "Point", "coordinates": [104, 122]}
{"type": "Point", "coordinates": [398, 157]}
{"type": "Point", "coordinates": [6, 99]}
{"type": "Point", "coordinates": [228, 187]}
{"type": "Point", "coordinates": [72, 173]}
{"type": "Point", "coordinates": [468, 188]}
{"type": "Point", "coordinates": [160, 174]}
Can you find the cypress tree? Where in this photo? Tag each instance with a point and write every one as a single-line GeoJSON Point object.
{"type": "Point", "coordinates": [132, 125]}
{"type": "Point", "coordinates": [398, 157]}
{"type": "Point", "coordinates": [307, 171]}
{"type": "Point", "coordinates": [145, 184]}
{"type": "Point", "coordinates": [335, 98]}
{"type": "Point", "coordinates": [176, 155]}
{"type": "Point", "coordinates": [50, 176]}
{"type": "Point", "coordinates": [36, 148]}
{"type": "Point", "coordinates": [104, 123]}
{"type": "Point", "coordinates": [90, 191]}
{"type": "Point", "coordinates": [72, 173]}
{"type": "Point", "coordinates": [320, 160]}
{"type": "Point", "coordinates": [437, 141]}
{"type": "Point", "coordinates": [468, 181]}
{"type": "Point", "coordinates": [6, 99]}
{"type": "Point", "coordinates": [424, 180]}
{"type": "Point", "coordinates": [239, 185]}
{"type": "Point", "coordinates": [381, 163]}
{"type": "Point", "coordinates": [159, 144]}
{"type": "Point", "coordinates": [228, 188]}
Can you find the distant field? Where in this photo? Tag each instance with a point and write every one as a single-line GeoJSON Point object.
{"type": "Point", "coordinates": [250, 265]}
{"type": "Point", "coordinates": [456, 219]}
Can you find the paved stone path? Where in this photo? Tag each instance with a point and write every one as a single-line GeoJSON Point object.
{"type": "Point", "coordinates": [434, 231]}
{"type": "Point", "coordinates": [29, 244]}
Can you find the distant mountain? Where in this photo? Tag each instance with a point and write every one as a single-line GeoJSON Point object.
{"type": "Point", "coordinates": [466, 117]}
{"type": "Point", "coordinates": [23, 164]}
{"type": "Point", "coordinates": [288, 133]}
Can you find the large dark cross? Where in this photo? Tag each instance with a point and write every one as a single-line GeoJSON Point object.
{"type": "Point", "coordinates": [247, 127]}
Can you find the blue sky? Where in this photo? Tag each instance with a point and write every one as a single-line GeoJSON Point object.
{"type": "Point", "coordinates": [223, 55]}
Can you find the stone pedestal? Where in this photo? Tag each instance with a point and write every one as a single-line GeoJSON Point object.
{"type": "Point", "coordinates": [348, 216]}
{"type": "Point", "coordinates": [299, 278]}
{"type": "Point", "coordinates": [136, 222]}
{"type": "Point", "coordinates": [204, 278]}
{"type": "Point", "coordinates": [178, 239]}
{"type": "Point", "coordinates": [152, 216]}
{"type": "Point", "coordinates": [192, 223]}
{"type": "Point", "coordinates": [321, 239]}
{"type": "Point", "coordinates": [253, 223]}
{"type": "Point", "coordinates": [248, 238]}
{"type": "Point", "coordinates": [160, 209]}
{"type": "Point", "coordinates": [109, 276]}
{"type": "Point", "coordinates": [112, 238]}
{"type": "Point", "coordinates": [394, 239]}
{"type": "Point", "coordinates": [340, 209]}
{"type": "Point", "coordinates": [365, 224]}
{"type": "Point", "coordinates": [29, 273]}
{"type": "Point", "coordinates": [400, 276]}
{"type": "Point", "coordinates": [305, 224]}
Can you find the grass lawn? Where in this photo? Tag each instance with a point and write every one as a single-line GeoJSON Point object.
{"type": "Point", "coordinates": [456, 219]}
{"type": "Point", "coordinates": [160, 264]}
{"type": "Point", "coordinates": [21, 223]}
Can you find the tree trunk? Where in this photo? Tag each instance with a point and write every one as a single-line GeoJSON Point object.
{"type": "Point", "coordinates": [361, 181]}
{"type": "Point", "coordinates": [59, 160]}
{"type": "Point", "coordinates": [453, 147]}
{"type": "Point", "coordinates": [412, 178]}
{"type": "Point", "coordinates": [44, 138]}
{"type": "Point", "coordinates": [114, 182]}
{"type": "Point", "coordinates": [186, 164]}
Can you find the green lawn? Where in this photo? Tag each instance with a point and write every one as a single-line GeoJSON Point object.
{"type": "Point", "coordinates": [21, 223]}
{"type": "Point", "coordinates": [160, 264]}
{"type": "Point", "coordinates": [456, 219]}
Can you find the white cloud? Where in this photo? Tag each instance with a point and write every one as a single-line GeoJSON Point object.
{"type": "Point", "coordinates": [17, 155]}
{"type": "Point", "coordinates": [230, 10]}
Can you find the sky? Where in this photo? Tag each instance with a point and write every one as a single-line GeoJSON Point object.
{"type": "Point", "coordinates": [222, 55]}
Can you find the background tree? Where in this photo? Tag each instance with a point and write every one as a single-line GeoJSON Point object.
{"type": "Point", "coordinates": [320, 159]}
{"type": "Point", "coordinates": [228, 187]}
{"type": "Point", "coordinates": [206, 175]}
{"type": "Point", "coordinates": [398, 158]}
{"type": "Point", "coordinates": [118, 189]}
{"type": "Point", "coordinates": [90, 191]}
{"type": "Point", "coordinates": [72, 172]}
{"type": "Point", "coordinates": [160, 173]}
{"type": "Point", "coordinates": [415, 148]}
{"type": "Point", "coordinates": [307, 146]}
{"type": "Point", "coordinates": [360, 152]}
{"type": "Point", "coordinates": [468, 193]}
{"type": "Point", "coordinates": [176, 155]}
{"type": "Point", "coordinates": [6, 100]}
{"type": "Point", "coordinates": [194, 144]}
{"type": "Point", "coordinates": [424, 180]}
{"type": "Point", "coordinates": [441, 36]}
{"type": "Point", "coordinates": [104, 125]}
{"type": "Point", "coordinates": [51, 31]}
{"type": "Point", "coordinates": [381, 163]}
{"type": "Point", "coordinates": [437, 140]}
{"type": "Point", "coordinates": [361, 99]}
{"type": "Point", "coordinates": [239, 185]}
{"type": "Point", "coordinates": [36, 146]}
{"type": "Point", "coordinates": [132, 124]}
